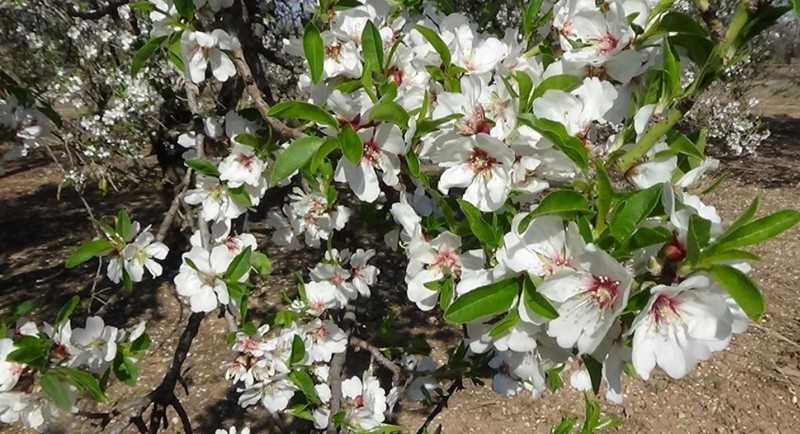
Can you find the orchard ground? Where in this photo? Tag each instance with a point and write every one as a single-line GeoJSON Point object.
{"type": "Point", "coordinates": [753, 386]}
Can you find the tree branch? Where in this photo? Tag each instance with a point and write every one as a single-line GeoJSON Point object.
{"type": "Point", "coordinates": [255, 93]}
{"type": "Point", "coordinates": [378, 357]}
{"type": "Point", "coordinates": [455, 386]}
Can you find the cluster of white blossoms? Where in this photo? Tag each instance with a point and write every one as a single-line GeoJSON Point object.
{"type": "Point", "coordinates": [543, 204]}
{"type": "Point", "coordinates": [71, 352]}
{"type": "Point", "coordinates": [266, 370]}
{"type": "Point", "coordinates": [22, 126]}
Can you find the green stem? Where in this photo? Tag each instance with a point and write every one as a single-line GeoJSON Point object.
{"type": "Point", "coordinates": [649, 140]}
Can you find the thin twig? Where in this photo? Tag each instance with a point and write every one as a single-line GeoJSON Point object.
{"type": "Point", "coordinates": [337, 366]}
{"type": "Point", "coordinates": [258, 97]}
{"type": "Point", "coordinates": [378, 357]}
{"type": "Point", "coordinates": [174, 207]}
{"type": "Point", "coordinates": [441, 405]}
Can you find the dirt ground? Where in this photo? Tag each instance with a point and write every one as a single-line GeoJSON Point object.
{"type": "Point", "coordinates": [753, 386]}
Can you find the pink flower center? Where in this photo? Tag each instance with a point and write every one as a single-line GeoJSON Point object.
{"type": "Point", "coordinates": [371, 151]}
{"type": "Point", "coordinates": [244, 160]}
{"type": "Point", "coordinates": [333, 51]}
{"type": "Point", "coordinates": [481, 162]}
{"type": "Point", "coordinates": [664, 309]}
{"type": "Point", "coordinates": [447, 261]}
{"type": "Point", "coordinates": [319, 334]}
{"type": "Point", "coordinates": [607, 43]}
{"type": "Point", "coordinates": [556, 263]}
{"type": "Point", "coordinates": [358, 402]}
{"type": "Point", "coordinates": [603, 291]}
{"type": "Point", "coordinates": [471, 125]}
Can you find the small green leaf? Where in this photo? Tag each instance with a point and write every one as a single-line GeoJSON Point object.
{"type": "Point", "coordinates": [372, 47]}
{"type": "Point", "coordinates": [123, 225]}
{"type": "Point", "coordinates": [87, 251]}
{"type": "Point", "coordinates": [565, 82]}
{"type": "Point", "coordinates": [535, 301]}
{"type": "Point", "coordinates": [758, 231]}
{"type": "Point", "coordinates": [556, 133]}
{"type": "Point", "coordinates": [239, 266]}
{"type": "Point", "coordinates": [728, 255]}
{"type": "Point", "coordinates": [83, 381]}
{"type": "Point", "coordinates": [510, 320]}
{"type": "Point", "coordinates": [605, 193]}
{"type": "Point", "coordinates": [261, 263]}
{"type": "Point", "coordinates": [557, 202]}
{"type": "Point", "coordinates": [482, 230]}
{"type": "Point", "coordinates": [698, 234]}
{"type": "Point", "coordinates": [303, 381]}
{"type": "Point", "coordinates": [31, 350]}
{"type": "Point", "coordinates": [203, 166]}
{"type": "Point", "coordinates": [595, 369]}
{"type": "Point", "coordinates": [314, 50]}
{"type": "Point", "coordinates": [185, 8]}
{"type": "Point", "coordinates": [143, 54]}
{"type": "Point", "coordinates": [484, 301]}
{"type": "Point", "coordinates": [566, 425]}
{"type": "Point", "coordinates": [352, 147]}
{"type": "Point", "coordinates": [298, 350]}
{"type": "Point", "coordinates": [304, 111]}
{"type": "Point", "coordinates": [389, 111]}
{"type": "Point", "coordinates": [632, 211]}
{"type": "Point", "coordinates": [25, 308]}
{"type": "Point", "coordinates": [247, 140]}
{"type": "Point", "coordinates": [437, 43]}
{"type": "Point", "coordinates": [55, 388]}
{"type": "Point", "coordinates": [67, 309]}
{"type": "Point", "coordinates": [240, 196]}
{"type": "Point", "coordinates": [295, 156]}
{"type": "Point", "coordinates": [741, 288]}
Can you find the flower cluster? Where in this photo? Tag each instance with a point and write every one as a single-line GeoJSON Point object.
{"type": "Point", "coordinates": [43, 369]}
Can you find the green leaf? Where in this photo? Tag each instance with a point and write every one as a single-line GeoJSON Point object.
{"type": "Point", "coordinates": [83, 381]}
{"type": "Point", "coordinates": [25, 308]}
{"type": "Point", "coordinates": [679, 22]}
{"type": "Point", "coordinates": [592, 415]}
{"type": "Point", "coordinates": [796, 8]}
{"type": "Point", "coordinates": [644, 237]}
{"type": "Point", "coordinates": [759, 230]}
{"type": "Point", "coordinates": [298, 350]}
{"type": "Point", "coordinates": [67, 309]}
{"type": "Point", "coordinates": [529, 18]}
{"type": "Point", "coordinates": [247, 140]}
{"type": "Point", "coordinates": [239, 266]}
{"type": "Point", "coordinates": [728, 255]}
{"type": "Point", "coordinates": [566, 425]}
{"type": "Point", "coordinates": [595, 369]}
{"type": "Point", "coordinates": [672, 66]}
{"type": "Point", "coordinates": [554, 380]}
{"type": "Point", "coordinates": [510, 320]}
{"type": "Point", "coordinates": [535, 301]}
{"type": "Point", "coordinates": [140, 345]}
{"type": "Point", "coordinates": [203, 166]}
{"type": "Point", "coordinates": [314, 50]}
{"type": "Point", "coordinates": [295, 156]}
{"type": "Point", "coordinates": [352, 147]}
{"type": "Point", "coordinates": [31, 350]}
{"type": "Point", "coordinates": [437, 43]}
{"type": "Point", "coordinates": [261, 263]}
{"type": "Point", "coordinates": [741, 288]}
{"type": "Point", "coordinates": [680, 143]}
{"type": "Point", "coordinates": [482, 230]}
{"type": "Point", "coordinates": [123, 224]}
{"type": "Point", "coordinates": [372, 47]}
{"type": "Point", "coordinates": [87, 251]}
{"type": "Point", "coordinates": [389, 111]}
{"type": "Point", "coordinates": [318, 160]}
{"type": "Point", "coordinates": [557, 134]}
{"type": "Point", "coordinates": [412, 162]}
{"type": "Point", "coordinates": [125, 370]}
{"type": "Point", "coordinates": [56, 390]}
{"type": "Point", "coordinates": [632, 211]}
{"type": "Point", "coordinates": [240, 196]}
{"type": "Point", "coordinates": [746, 216]}
{"type": "Point", "coordinates": [565, 82]}
{"type": "Point", "coordinates": [605, 193]}
{"type": "Point", "coordinates": [484, 301]}
{"type": "Point", "coordinates": [525, 87]}
{"type": "Point", "coordinates": [697, 237]}
{"type": "Point", "coordinates": [303, 381]}
{"type": "Point", "coordinates": [304, 111]}
{"type": "Point", "coordinates": [185, 8]}
{"type": "Point", "coordinates": [557, 202]}
{"type": "Point", "coordinates": [143, 54]}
